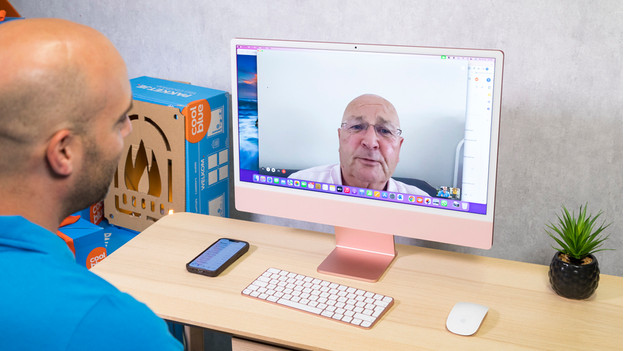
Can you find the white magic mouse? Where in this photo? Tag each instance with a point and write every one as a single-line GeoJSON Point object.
{"type": "Point", "coordinates": [465, 318]}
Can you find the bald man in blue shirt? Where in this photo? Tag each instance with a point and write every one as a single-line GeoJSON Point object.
{"type": "Point", "coordinates": [64, 95]}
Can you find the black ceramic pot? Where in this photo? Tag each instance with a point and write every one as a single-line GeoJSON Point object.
{"type": "Point", "coordinates": [574, 281]}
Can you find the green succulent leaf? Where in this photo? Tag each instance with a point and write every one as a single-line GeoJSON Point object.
{"type": "Point", "coordinates": [576, 235]}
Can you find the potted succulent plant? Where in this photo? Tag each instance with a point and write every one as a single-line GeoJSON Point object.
{"type": "Point", "coordinates": [574, 271]}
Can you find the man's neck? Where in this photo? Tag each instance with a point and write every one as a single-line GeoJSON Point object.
{"type": "Point", "coordinates": [21, 201]}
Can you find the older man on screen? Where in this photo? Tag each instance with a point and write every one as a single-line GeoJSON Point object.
{"type": "Point", "coordinates": [370, 142]}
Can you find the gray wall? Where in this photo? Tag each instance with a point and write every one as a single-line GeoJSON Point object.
{"type": "Point", "coordinates": [561, 124]}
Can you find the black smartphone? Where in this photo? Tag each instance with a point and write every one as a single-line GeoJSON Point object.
{"type": "Point", "coordinates": [217, 257]}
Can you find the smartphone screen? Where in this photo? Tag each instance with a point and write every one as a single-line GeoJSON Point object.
{"type": "Point", "coordinates": [217, 257]}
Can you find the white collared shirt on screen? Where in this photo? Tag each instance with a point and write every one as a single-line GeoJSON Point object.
{"type": "Point", "coordinates": [331, 174]}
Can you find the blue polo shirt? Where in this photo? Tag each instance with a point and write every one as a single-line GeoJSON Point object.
{"type": "Point", "coordinates": [49, 302]}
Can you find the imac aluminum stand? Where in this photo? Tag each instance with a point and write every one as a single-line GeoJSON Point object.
{"type": "Point", "coordinates": [359, 254]}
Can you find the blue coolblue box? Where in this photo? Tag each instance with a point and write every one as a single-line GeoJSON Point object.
{"type": "Point", "coordinates": [115, 237]}
{"type": "Point", "coordinates": [88, 241]}
{"type": "Point", "coordinates": [93, 213]}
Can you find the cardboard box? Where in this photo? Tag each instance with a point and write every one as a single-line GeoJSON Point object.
{"type": "Point", "coordinates": [176, 157]}
{"type": "Point", "coordinates": [86, 239]}
{"type": "Point", "coordinates": [7, 12]}
{"type": "Point", "coordinates": [93, 213]}
{"type": "Point", "coordinates": [115, 237]}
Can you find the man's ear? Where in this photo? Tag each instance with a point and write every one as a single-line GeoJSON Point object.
{"type": "Point", "coordinates": [61, 152]}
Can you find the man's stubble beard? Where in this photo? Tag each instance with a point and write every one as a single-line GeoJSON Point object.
{"type": "Point", "coordinates": [93, 182]}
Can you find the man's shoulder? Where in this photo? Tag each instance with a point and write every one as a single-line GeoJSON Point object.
{"type": "Point", "coordinates": [400, 187]}
{"type": "Point", "coordinates": [128, 325]}
{"type": "Point", "coordinates": [82, 308]}
{"type": "Point", "coordinates": [324, 173]}
{"type": "Point", "coordinates": [93, 293]}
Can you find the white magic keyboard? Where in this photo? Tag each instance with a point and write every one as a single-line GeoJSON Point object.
{"type": "Point", "coordinates": [321, 297]}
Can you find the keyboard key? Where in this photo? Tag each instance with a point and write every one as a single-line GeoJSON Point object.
{"type": "Point", "coordinates": [300, 306]}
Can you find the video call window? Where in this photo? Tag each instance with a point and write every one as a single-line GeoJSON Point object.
{"type": "Point", "coordinates": [291, 104]}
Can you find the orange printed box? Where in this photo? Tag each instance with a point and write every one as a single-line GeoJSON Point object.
{"type": "Point", "coordinates": [176, 157]}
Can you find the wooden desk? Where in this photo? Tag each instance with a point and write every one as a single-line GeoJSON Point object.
{"type": "Point", "coordinates": [524, 312]}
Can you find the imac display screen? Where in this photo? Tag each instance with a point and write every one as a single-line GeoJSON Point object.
{"type": "Point", "coordinates": [404, 134]}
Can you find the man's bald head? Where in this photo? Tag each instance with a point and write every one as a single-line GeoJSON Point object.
{"type": "Point", "coordinates": [53, 76]}
{"type": "Point", "coordinates": [389, 112]}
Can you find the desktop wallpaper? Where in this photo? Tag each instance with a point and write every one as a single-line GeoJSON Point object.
{"type": "Point", "coordinates": [248, 111]}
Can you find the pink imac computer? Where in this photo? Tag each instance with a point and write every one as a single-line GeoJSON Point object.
{"type": "Point", "coordinates": [375, 140]}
